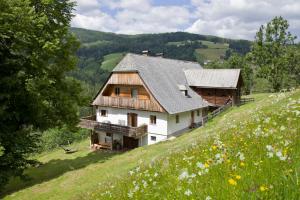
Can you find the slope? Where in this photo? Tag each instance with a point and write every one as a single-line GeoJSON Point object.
{"type": "Point", "coordinates": [87, 174]}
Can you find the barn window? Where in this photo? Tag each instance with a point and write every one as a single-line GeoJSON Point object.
{"type": "Point", "coordinates": [117, 91]}
{"type": "Point", "coordinates": [177, 119]}
{"type": "Point", "coordinates": [198, 113]}
{"type": "Point", "coordinates": [103, 113]}
{"type": "Point", "coordinates": [152, 119]}
{"type": "Point", "coordinates": [153, 138]}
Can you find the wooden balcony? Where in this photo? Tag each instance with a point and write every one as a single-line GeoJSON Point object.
{"type": "Point", "coordinates": [91, 123]}
{"type": "Point", "coordinates": [131, 103]}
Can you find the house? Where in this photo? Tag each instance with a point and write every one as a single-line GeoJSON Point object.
{"type": "Point", "coordinates": [149, 99]}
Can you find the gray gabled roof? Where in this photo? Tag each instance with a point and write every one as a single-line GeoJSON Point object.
{"type": "Point", "coordinates": [162, 77]}
{"type": "Point", "coordinates": [213, 78]}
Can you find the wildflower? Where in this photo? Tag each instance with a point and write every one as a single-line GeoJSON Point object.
{"type": "Point", "coordinates": [282, 128]}
{"type": "Point", "coordinates": [214, 147]}
{"type": "Point", "coordinates": [242, 164]}
{"type": "Point", "coordinates": [188, 192]}
{"type": "Point", "coordinates": [269, 147]}
{"type": "Point", "coordinates": [270, 154]}
{"type": "Point", "coordinates": [200, 165]}
{"type": "Point", "coordinates": [130, 194]}
{"type": "Point", "coordinates": [241, 156]}
{"type": "Point", "coordinates": [238, 177]}
{"type": "Point", "coordinates": [208, 198]}
{"type": "Point", "coordinates": [263, 188]}
{"type": "Point", "coordinates": [206, 165]}
{"type": "Point", "coordinates": [232, 182]}
{"type": "Point", "coordinates": [131, 173]}
{"type": "Point", "coordinates": [183, 175]}
{"type": "Point", "coordinates": [156, 174]}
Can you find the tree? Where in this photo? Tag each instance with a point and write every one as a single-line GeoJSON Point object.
{"type": "Point", "coordinates": [36, 51]}
{"type": "Point", "coordinates": [237, 61]}
{"type": "Point", "coordinates": [274, 53]}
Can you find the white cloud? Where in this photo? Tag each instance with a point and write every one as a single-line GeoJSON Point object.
{"type": "Point", "coordinates": [227, 18]}
{"type": "Point", "coordinates": [241, 18]}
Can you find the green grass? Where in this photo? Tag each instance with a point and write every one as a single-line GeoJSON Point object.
{"type": "Point", "coordinates": [254, 158]}
{"type": "Point", "coordinates": [111, 60]}
{"type": "Point", "coordinates": [87, 174]}
{"type": "Point", "coordinates": [211, 53]}
{"type": "Point", "coordinates": [212, 45]}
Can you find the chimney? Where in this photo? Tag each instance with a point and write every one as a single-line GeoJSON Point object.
{"type": "Point", "coordinates": [146, 53]}
{"type": "Point", "coordinates": [159, 55]}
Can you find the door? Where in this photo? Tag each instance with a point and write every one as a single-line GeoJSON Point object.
{"type": "Point", "coordinates": [132, 119]}
{"type": "Point", "coordinates": [192, 117]}
{"type": "Point", "coordinates": [130, 143]}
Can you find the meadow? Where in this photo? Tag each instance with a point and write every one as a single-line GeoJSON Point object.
{"type": "Point", "coordinates": [257, 158]}
{"type": "Point", "coordinates": [251, 151]}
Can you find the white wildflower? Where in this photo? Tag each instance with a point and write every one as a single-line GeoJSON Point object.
{"type": "Point", "coordinates": [241, 156]}
{"type": "Point", "coordinates": [200, 165]}
{"type": "Point", "coordinates": [270, 154]}
{"type": "Point", "coordinates": [208, 198]}
{"type": "Point", "coordinates": [188, 192]}
{"type": "Point", "coordinates": [130, 194]}
{"type": "Point", "coordinates": [282, 128]}
{"type": "Point", "coordinates": [183, 175]}
{"type": "Point", "coordinates": [269, 147]}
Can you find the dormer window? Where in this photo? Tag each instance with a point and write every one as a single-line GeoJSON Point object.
{"type": "Point", "coordinates": [183, 90]}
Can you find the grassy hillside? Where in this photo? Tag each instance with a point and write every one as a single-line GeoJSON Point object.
{"type": "Point", "coordinates": [111, 60]}
{"type": "Point", "coordinates": [270, 120]}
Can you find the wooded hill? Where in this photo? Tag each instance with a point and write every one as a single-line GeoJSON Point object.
{"type": "Point", "coordinates": [100, 51]}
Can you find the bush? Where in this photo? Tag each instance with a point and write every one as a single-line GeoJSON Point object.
{"type": "Point", "coordinates": [55, 137]}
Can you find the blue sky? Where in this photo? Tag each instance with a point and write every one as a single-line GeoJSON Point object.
{"type": "Point", "coordinates": [238, 19]}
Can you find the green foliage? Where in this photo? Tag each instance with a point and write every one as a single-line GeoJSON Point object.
{"type": "Point", "coordinates": [55, 137]}
{"type": "Point", "coordinates": [275, 54]}
{"type": "Point", "coordinates": [35, 53]}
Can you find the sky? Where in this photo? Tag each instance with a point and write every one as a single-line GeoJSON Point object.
{"type": "Point", "coordinates": [236, 19]}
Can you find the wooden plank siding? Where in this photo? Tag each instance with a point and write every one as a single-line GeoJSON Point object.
{"type": "Point", "coordinates": [125, 91]}
{"type": "Point", "coordinates": [125, 78]}
{"type": "Point", "coordinates": [126, 82]}
{"type": "Point", "coordinates": [137, 104]}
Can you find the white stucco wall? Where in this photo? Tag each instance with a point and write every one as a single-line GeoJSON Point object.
{"type": "Point", "coordinates": [185, 120]}
{"type": "Point", "coordinates": [165, 123]}
{"type": "Point", "coordinates": [116, 115]}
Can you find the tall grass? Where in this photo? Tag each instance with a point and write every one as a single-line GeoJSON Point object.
{"type": "Point", "coordinates": [258, 158]}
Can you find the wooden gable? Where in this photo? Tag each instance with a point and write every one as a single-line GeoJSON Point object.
{"type": "Point", "coordinates": [127, 81]}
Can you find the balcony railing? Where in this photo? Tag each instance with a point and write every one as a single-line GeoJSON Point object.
{"type": "Point", "coordinates": [91, 123]}
{"type": "Point", "coordinates": [132, 103]}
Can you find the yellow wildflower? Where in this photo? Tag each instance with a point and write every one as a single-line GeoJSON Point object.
{"type": "Point", "coordinates": [228, 161]}
{"type": "Point", "coordinates": [242, 164]}
{"type": "Point", "coordinates": [214, 147]}
{"type": "Point", "coordinates": [232, 182]}
{"type": "Point", "coordinates": [206, 165]}
{"type": "Point", "coordinates": [238, 177]}
{"type": "Point", "coordinates": [263, 188]}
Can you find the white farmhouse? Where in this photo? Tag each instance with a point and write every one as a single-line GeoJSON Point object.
{"type": "Point", "coordinates": [145, 100]}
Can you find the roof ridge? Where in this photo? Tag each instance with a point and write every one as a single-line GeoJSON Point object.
{"type": "Point", "coordinates": [185, 61]}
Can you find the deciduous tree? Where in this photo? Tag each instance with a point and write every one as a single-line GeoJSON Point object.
{"type": "Point", "coordinates": [36, 51]}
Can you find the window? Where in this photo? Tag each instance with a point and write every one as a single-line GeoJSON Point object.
{"type": "Point", "coordinates": [134, 93]}
{"type": "Point", "coordinates": [117, 91]}
{"type": "Point", "coordinates": [152, 119]}
{"type": "Point", "coordinates": [177, 119]}
{"type": "Point", "coordinates": [198, 113]}
{"type": "Point", "coordinates": [153, 138]}
{"type": "Point", "coordinates": [108, 134]}
{"type": "Point", "coordinates": [103, 113]}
